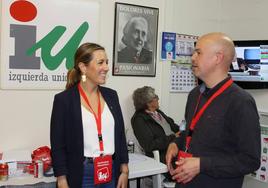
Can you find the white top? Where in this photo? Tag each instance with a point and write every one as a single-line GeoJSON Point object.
{"type": "Point", "coordinates": [91, 141]}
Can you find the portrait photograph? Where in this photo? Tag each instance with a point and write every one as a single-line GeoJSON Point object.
{"type": "Point", "coordinates": [135, 40]}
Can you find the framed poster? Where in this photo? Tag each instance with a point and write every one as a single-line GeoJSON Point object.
{"type": "Point", "coordinates": [135, 40]}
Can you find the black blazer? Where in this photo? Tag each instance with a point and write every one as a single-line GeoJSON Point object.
{"type": "Point", "coordinates": [66, 134]}
{"type": "Point", "coordinates": [150, 134]}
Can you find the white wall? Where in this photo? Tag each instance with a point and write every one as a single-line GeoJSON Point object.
{"type": "Point", "coordinates": [25, 115]}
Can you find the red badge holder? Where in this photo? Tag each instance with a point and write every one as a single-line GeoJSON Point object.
{"type": "Point", "coordinates": [183, 155]}
{"type": "Point", "coordinates": [102, 169]}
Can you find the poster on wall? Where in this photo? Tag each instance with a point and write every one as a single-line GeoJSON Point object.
{"type": "Point", "coordinates": [37, 51]}
{"type": "Point", "coordinates": [182, 78]}
{"type": "Point", "coordinates": [135, 40]}
{"type": "Point", "coordinates": [168, 51]}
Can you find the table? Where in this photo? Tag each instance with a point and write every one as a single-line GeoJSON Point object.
{"type": "Point", "coordinates": [142, 166]}
{"type": "Point", "coordinates": [139, 166]}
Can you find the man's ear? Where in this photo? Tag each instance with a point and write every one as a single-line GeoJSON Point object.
{"type": "Point", "coordinates": [220, 57]}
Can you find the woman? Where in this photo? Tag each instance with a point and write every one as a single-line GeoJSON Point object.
{"type": "Point", "coordinates": [153, 129]}
{"type": "Point", "coordinates": [135, 38]}
{"type": "Point", "coordinates": [87, 126]}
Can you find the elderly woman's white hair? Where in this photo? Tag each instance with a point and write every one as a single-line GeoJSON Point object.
{"type": "Point", "coordinates": [142, 96]}
{"type": "Point", "coordinates": [127, 28]}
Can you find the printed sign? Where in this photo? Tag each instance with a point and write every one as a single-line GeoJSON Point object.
{"type": "Point", "coordinates": [39, 39]}
{"type": "Point", "coordinates": [168, 46]}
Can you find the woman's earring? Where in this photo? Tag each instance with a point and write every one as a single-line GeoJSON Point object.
{"type": "Point", "coordinates": [83, 77]}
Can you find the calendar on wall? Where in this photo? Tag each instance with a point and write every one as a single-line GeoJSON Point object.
{"type": "Point", "coordinates": [182, 78]}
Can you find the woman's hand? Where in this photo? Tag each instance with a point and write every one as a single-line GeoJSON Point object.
{"type": "Point", "coordinates": [123, 178]}
{"type": "Point", "coordinates": [62, 182]}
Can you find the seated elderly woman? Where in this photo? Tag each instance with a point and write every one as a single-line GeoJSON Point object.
{"type": "Point", "coordinates": [153, 129]}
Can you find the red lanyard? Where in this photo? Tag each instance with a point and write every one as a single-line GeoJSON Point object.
{"type": "Point", "coordinates": [97, 118]}
{"type": "Point", "coordinates": [201, 111]}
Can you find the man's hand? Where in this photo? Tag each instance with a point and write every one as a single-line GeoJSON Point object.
{"type": "Point", "coordinates": [172, 152]}
{"type": "Point", "coordinates": [187, 169]}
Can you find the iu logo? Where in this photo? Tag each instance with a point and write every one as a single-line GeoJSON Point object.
{"type": "Point", "coordinates": [103, 174]}
{"type": "Point", "coordinates": [26, 43]}
{"type": "Point", "coordinates": [39, 39]}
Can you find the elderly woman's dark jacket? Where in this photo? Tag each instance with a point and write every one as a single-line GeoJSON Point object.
{"type": "Point", "coordinates": [150, 134]}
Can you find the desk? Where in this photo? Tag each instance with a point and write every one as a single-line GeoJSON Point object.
{"type": "Point", "coordinates": [139, 166]}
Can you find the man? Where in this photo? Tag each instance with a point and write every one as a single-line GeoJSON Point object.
{"type": "Point", "coordinates": [135, 36]}
{"type": "Point", "coordinates": [222, 138]}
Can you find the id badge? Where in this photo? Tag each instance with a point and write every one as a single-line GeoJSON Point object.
{"type": "Point", "coordinates": [102, 169]}
{"type": "Point", "coordinates": [183, 155]}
